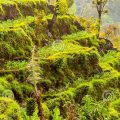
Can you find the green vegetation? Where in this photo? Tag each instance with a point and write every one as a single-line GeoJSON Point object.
{"type": "Point", "coordinates": [53, 65]}
{"type": "Point", "coordinates": [9, 109]}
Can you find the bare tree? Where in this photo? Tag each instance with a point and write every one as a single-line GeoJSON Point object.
{"type": "Point", "coordinates": [100, 6]}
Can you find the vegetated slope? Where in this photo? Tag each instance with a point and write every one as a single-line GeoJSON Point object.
{"type": "Point", "coordinates": [80, 74]}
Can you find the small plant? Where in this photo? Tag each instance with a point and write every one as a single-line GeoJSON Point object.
{"type": "Point", "coordinates": [33, 78]}
{"type": "Point", "coordinates": [93, 110]}
{"type": "Point", "coordinates": [30, 107]}
{"type": "Point", "coordinates": [56, 115]}
{"type": "Point", "coordinates": [9, 109]}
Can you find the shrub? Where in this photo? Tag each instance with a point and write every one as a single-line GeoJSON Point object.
{"type": "Point", "coordinates": [17, 90]}
{"type": "Point", "coordinates": [92, 110]}
{"type": "Point", "coordinates": [6, 50]}
{"type": "Point", "coordinates": [98, 87]}
{"type": "Point", "coordinates": [62, 7]}
{"type": "Point", "coordinates": [30, 106]}
{"type": "Point", "coordinates": [4, 85]}
{"type": "Point", "coordinates": [80, 92]}
{"type": "Point", "coordinates": [116, 105]}
{"type": "Point", "coordinates": [9, 109]}
{"type": "Point", "coordinates": [56, 115]}
{"type": "Point", "coordinates": [10, 78]}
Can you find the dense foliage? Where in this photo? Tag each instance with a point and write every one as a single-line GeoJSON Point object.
{"type": "Point", "coordinates": [63, 73]}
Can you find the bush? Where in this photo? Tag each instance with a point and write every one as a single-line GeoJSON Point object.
{"type": "Point", "coordinates": [4, 85]}
{"type": "Point", "coordinates": [9, 109]}
{"type": "Point", "coordinates": [116, 105]}
{"type": "Point", "coordinates": [17, 90]}
{"type": "Point", "coordinates": [62, 7]}
{"type": "Point", "coordinates": [80, 92]}
{"type": "Point", "coordinates": [30, 106]}
{"type": "Point", "coordinates": [6, 50]}
{"type": "Point", "coordinates": [10, 78]}
{"type": "Point", "coordinates": [92, 110]}
{"type": "Point", "coordinates": [56, 115]}
{"type": "Point", "coordinates": [98, 87]}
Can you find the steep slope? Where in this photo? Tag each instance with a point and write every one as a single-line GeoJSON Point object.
{"type": "Point", "coordinates": [77, 74]}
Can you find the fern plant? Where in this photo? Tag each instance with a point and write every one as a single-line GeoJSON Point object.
{"type": "Point", "coordinates": [93, 110]}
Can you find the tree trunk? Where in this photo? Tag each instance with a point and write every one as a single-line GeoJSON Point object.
{"type": "Point", "coordinates": [51, 23]}
{"type": "Point", "coordinates": [99, 29]}
{"type": "Point", "coordinates": [39, 103]}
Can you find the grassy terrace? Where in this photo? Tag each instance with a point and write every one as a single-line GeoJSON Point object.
{"type": "Point", "coordinates": [13, 2]}
{"type": "Point", "coordinates": [13, 25]}
{"type": "Point", "coordinates": [16, 32]}
{"type": "Point", "coordinates": [12, 9]}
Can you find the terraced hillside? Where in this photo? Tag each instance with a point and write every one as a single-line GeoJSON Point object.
{"type": "Point", "coordinates": [53, 66]}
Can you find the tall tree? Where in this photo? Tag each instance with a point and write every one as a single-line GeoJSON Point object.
{"type": "Point", "coordinates": [100, 6]}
